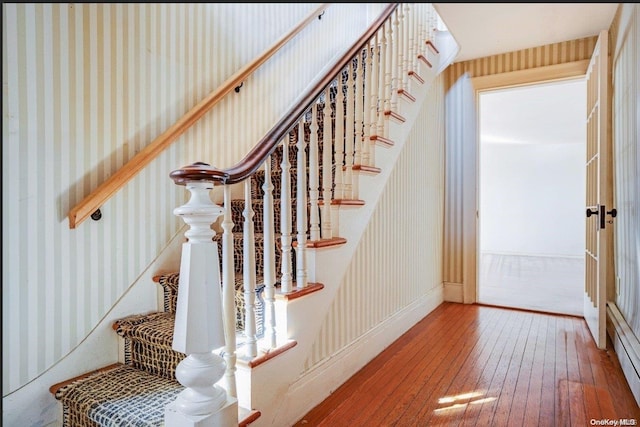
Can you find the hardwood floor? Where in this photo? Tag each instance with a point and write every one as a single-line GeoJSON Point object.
{"type": "Point", "coordinates": [475, 365]}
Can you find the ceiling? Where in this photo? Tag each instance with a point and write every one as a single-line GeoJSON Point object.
{"type": "Point", "coordinates": [484, 29]}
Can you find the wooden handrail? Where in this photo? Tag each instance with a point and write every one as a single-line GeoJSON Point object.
{"type": "Point", "coordinates": [115, 182]}
{"type": "Point", "coordinates": [258, 155]}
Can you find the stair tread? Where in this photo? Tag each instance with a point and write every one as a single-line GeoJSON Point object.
{"type": "Point", "coordinates": [123, 395]}
{"type": "Point", "coordinates": [119, 396]}
{"type": "Point", "coordinates": [153, 328]}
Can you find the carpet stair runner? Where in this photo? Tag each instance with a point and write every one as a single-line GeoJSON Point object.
{"type": "Point", "coordinates": [135, 393]}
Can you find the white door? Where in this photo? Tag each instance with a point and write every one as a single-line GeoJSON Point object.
{"type": "Point", "coordinates": [600, 211]}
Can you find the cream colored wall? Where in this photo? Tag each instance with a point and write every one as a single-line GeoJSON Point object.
{"type": "Point", "coordinates": [399, 258]}
{"type": "Point", "coordinates": [86, 86]}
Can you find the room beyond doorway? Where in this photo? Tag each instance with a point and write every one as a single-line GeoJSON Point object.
{"type": "Point", "coordinates": [532, 197]}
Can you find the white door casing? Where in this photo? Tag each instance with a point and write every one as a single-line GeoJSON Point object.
{"type": "Point", "coordinates": [461, 248]}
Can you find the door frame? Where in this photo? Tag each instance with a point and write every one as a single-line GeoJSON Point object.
{"type": "Point", "coordinates": [551, 73]}
{"type": "Point", "coordinates": [546, 305]}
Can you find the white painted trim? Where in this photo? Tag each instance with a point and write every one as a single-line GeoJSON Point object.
{"type": "Point", "coordinates": [568, 70]}
{"type": "Point", "coordinates": [319, 382]}
{"type": "Point", "coordinates": [538, 75]}
{"type": "Point", "coordinates": [627, 347]}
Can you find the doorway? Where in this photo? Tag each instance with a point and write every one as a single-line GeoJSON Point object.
{"type": "Point", "coordinates": [531, 193]}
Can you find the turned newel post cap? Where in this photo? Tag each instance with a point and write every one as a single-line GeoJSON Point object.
{"type": "Point", "coordinates": [198, 171]}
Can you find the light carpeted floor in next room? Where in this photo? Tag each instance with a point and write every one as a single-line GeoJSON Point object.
{"type": "Point", "coordinates": [541, 283]}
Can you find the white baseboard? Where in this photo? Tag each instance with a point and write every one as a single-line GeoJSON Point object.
{"type": "Point", "coordinates": [453, 292]}
{"type": "Point", "coordinates": [627, 347]}
{"type": "Point", "coordinates": [320, 381]}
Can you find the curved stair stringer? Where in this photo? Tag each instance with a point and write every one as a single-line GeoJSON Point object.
{"type": "Point", "coordinates": [270, 389]}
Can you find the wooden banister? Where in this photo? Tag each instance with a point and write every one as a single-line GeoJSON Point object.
{"type": "Point", "coordinates": [258, 155]}
{"type": "Point", "coordinates": [115, 182]}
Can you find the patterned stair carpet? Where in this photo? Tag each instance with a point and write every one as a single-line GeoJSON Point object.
{"type": "Point", "coordinates": [122, 396]}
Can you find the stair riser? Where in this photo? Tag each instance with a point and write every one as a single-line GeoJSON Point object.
{"type": "Point", "coordinates": [160, 360]}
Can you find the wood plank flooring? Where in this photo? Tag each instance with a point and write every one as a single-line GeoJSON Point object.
{"type": "Point", "coordinates": [476, 365]}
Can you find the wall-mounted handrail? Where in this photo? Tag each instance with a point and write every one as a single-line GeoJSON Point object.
{"type": "Point", "coordinates": [115, 182]}
{"type": "Point", "coordinates": [258, 155]}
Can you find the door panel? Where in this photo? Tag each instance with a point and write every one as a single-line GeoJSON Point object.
{"type": "Point", "coordinates": [599, 193]}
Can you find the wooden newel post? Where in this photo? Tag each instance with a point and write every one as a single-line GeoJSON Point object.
{"type": "Point", "coordinates": [199, 324]}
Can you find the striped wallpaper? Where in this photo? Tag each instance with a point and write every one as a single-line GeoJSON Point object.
{"type": "Point", "coordinates": [625, 58]}
{"type": "Point", "coordinates": [399, 258]}
{"type": "Point", "coordinates": [460, 192]}
{"type": "Point", "coordinates": [551, 54]}
{"type": "Point", "coordinates": [85, 87]}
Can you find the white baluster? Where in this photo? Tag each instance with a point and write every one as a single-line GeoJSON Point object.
{"type": "Point", "coordinates": [314, 217]}
{"type": "Point", "coordinates": [432, 23]}
{"type": "Point", "coordinates": [427, 25]}
{"type": "Point", "coordinates": [339, 141]}
{"type": "Point", "coordinates": [398, 55]}
{"type": "Point", "coordinates": [359, 116]}
{"type": "Point", "coordinates": [404, 46]}
{"type": "Point", "coordinates": [228, 294]}
{"type": "Point", "coordinates": [359, 124]}
{"type": "Point", "coordinates": [382, 107]}
{"type": "Point", "coordinates": [366, 109]}
{"type": "Point", "coordinates": [249, 274]}
{"type": "Point", "coordinates": [375, 97]}
{"type": "Point", "coordinates": [269, 258]}
{"type": "Point", "coordinates": [389, 81]}
{"type": "Point", "coordinates": [349, 135]}
{"type": "Point", "coordinates": [419, 30]}
{"type": "Point", "coordinates": [338, 154]}
{"type": "Point", "coordinates": [301, 214]}
{"type": "Point", "coordinates": [413, 56]}
{"type": "Point", "coordinates": [424, 28]}
{"type": "Point", "coordinates": [285, 219]}
{"type": "Point", "coordinates": [199, 325]}
{"type": "Point", "coordinates": [327, 155]}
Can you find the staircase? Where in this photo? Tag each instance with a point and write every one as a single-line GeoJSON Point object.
{"type": "Point", "coordinates": [135, 391]}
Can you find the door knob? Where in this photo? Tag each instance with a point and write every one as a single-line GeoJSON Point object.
{"type": "Point", "coordinates": [592, 212]}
